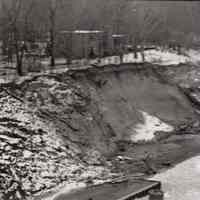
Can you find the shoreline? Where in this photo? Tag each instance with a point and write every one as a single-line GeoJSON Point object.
{"type": "Point", "coordinates": [182, 157]}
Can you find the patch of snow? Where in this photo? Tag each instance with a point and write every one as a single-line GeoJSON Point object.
{"type": "Point", "coordinates": [151, 56]}
{"type": "Point", "coordinates": [118, 35]}
{"type": "Point", "coordinates": [11, 140]}
{"type": "Point", "coordinates": [82, 31]}
{"type": "Point", "coordinates": [39, 152]}
{"type": "Point", "coordinates": [122, 158]}
{"type": "Point", "coordinates": [194, 56]}
{"type": "Point", "coordinates": [92, 172]}
{"type": "Point", "coordinates": [154, 56]}
{"type": "Point", "coordinates": [165, 57]}
{"type": "Point", "coordinates": [181, 182]}
{"type": "Point", "coordinates": [66, 189]}
{"type": "Point", "coordinates": [27, 154]}
{"type": "Point", "coordinates": [151, 125]}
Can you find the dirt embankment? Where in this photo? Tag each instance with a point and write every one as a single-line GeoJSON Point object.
{"type": "Point", "coordinates": [103, 106]}
{"type": "Point", "coordinates": [99, 107]}
{"type": "Point", "coordinates": [123, 93]}
{"type": "Point", "coordinates": [96, 108]}
{"type": "Point", "coordinates": [66, 123]}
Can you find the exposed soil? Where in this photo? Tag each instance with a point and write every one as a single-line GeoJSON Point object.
{"type": "Point", "coordinates": [121, 92]}
{"type": "Point", "coordinates": [84, 123]}
{"type": "Point", "coordinates": [167, 150]}
{"type": "Point", "coordinates": [148, 159]}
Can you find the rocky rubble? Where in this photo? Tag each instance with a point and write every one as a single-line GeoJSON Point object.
{"type": "Point", "coordinates": [58, 128]}
{"type": "Point", "coordinates": [33, 156]}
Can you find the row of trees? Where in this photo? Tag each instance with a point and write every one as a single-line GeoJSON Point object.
{"type": "Point", "coordinates": [15, 29]}
{"type": "Point", "coordinates": [20, 25]}
{"type": "Point", "coordinates": [24, 21]}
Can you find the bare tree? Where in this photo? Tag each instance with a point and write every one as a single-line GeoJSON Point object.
{"type": "Point", "coordinates": [146, 22]}
{"type": "Point", "coordinates": [16, 27]}
{"type": "Point", "coordinates": [53, 10]}
{"type": "Point", "coordinates": [65, 45]}
{"type": "Point", "coordinates": [68, 44]}
{"type": "Point", "coordinates": [53, 6]}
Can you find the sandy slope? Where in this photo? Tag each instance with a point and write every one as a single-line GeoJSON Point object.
{"type": "Point", "coordinates": [57, 128]}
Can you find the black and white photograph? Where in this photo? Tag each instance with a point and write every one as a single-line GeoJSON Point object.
{"type": "Point", "coordinates": [99, 100]}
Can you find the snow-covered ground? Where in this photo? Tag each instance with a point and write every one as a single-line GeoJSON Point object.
{"type": "Point", "coordinates": [165, 57]}
{"type": "Point", "coordinates": [194, 56]}
{"type": "Point", "coordinates": [145, 131]}
{"type": "Point", "coordinates": [65, 189]}
{"type": "Point", "coordinates": [181, 182]}
{"type": "Point", "coordinates": [155, 56]}
{"type": "Point", "coordinates": [151, 56]}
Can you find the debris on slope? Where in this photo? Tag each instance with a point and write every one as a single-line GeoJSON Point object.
{"type": "Point", "coordinates": [146, 131]}
{"type": "Point", "coordinates": [55, 129]}
{"type": "Point", "coordinates": [33, 157]}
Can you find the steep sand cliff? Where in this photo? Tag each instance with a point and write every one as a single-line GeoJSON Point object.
{"type": "Point", "coordinates": [60, 127]}
{"type": "Point", "coordinates": [125, 93]}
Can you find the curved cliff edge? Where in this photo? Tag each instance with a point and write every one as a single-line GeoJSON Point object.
{"type": "Point", "coordinates": [57, 128]}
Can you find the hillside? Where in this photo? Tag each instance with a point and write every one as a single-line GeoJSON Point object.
{"type": "Point", "coordinates": [63, 128]}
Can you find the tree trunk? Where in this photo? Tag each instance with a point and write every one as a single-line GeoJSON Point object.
{"type": "Point", "coordinates": [19, 67]}
{"type": "Point", "coordinates": [143, 54]}
{"type": "Point", "coordinates": [135, 49]}
{"type": "Point", "coordinates": [19, 57]}
{"type": "Point", "coordinates": [179, 50]}
{"type": "Point", "coordinates": [68, 49]}
{"type": "Point", "coordinates": [135, 52]}
{"type": "Point", "coordinates": [121, 58]}
{"type": "Point", "coordinates": [69, 61]}
{"type": "Point", "coordinates": [52, 45]}
{"type": "Point", "coordinates": [52, 35]}
{"type": "Point", "coordinates": [19, 60]}
{"type": "Point", "coordinates": [52, 62]}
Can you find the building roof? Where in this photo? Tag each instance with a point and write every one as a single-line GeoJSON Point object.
{"type": "Point", "coordinates": [82, 32]}
{"type": "Point", "coordinates": [118, 35]}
